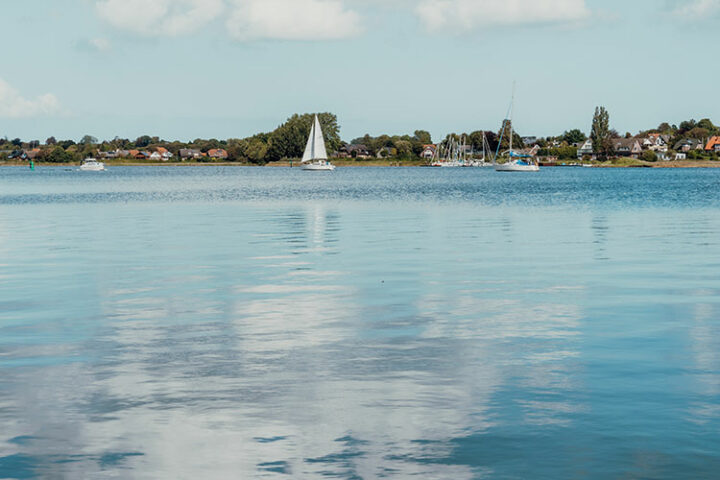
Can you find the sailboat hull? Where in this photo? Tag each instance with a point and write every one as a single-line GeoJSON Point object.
{"type": "Point", "coordinates": [319, 167]}
{"type": "Point", "coordinates": [514, 167]}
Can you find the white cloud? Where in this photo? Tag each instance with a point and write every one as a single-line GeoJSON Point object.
{"type": "Point", "coordinates": [698, 8]}
{"type": "Point", "coordinates": [13, 105]}
{"type": "Point", "coordinates": [100, 44]}
{"type": "Point", "coordinates": [95, 45]}
{"type": "Point", "coordinates": [248, 20]}
{"type": "Point", "coordinates": [292, 20]}
{"type": "Point", "coordinates": [159, 17]}
{"type": "Point", "coordinates": [465, 15]}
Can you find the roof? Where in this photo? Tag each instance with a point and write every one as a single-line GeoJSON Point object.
{"type": "Point", "coordinates": [214, 152]}
{"type": "Point", "coordinates": [692, 142]}
{"type": "Point", "coordinates": [625, 142]}
{"type": "Point", "coordinates": [712, 143]}
{"type": "Point", "coordinates": [162, 150]}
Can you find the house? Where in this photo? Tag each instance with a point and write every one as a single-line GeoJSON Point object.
{"type": "Point", "coordinates": [585, 149]}
{"type": "Point", "coordinates": [713, 145]}
{"type": "Point", "coordinates": [165, 154]}
{"type": "Point", "coordinates": [137, 155]}
{"type": "Point", "coordinates": [688, 144]}
{"type": "Point", "coordinates": [155, 156]}
{"type": "Point", "coordinates": [32, 154]}
{"type": "Point", "coordinates": [655, 142]}
{"type": "Point", "coordinates": [627, 147]}
{"type": "Point", "coordinates": [217, 153]}
{"type": "Point", "coordinates": [105, 155]}
{"type": "Point", "coordinates": [429, 152]}
{"type": "Point", "coordinates": [354, 151]}
{"type": "Point", "coordinates": [681, 156]}
{"type": "Point", "coordinates": [190, 153]}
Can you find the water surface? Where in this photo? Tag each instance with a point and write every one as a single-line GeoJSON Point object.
{"type": "Point", "coordinates": [212, 322]}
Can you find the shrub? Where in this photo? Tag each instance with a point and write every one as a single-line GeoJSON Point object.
{"type": "Point", "coordinates": [649, 156]}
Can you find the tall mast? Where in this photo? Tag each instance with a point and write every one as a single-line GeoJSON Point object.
{"type": "Point", "coordinates": [512, 107]}
{"type": "Point", "coordinates": [483, 145]}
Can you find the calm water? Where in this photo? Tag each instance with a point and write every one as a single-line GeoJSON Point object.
{"type": "Point", "coordinates": [223, 323]}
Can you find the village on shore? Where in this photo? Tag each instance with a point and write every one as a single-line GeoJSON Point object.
{"type": "Point", "coordinates": [691, 141]}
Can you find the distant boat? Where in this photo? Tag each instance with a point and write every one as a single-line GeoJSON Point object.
{"type": "Point", "coordinates": [315, 157]}
{"type": "Point", "coordinates": [92, 165]}
{"type": "Point", "coordinates": [516, 162]}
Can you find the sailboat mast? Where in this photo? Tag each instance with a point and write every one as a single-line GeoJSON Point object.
{"type": "Point", "coordinates": [512, 108]}
{"type": "Point", "coordinates": [483, 145]}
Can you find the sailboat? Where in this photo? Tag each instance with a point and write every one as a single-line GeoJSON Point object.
{"type": "Point", "coordinates": [517, 162]}
{"type": "Point", "coordinates": [315, 156]}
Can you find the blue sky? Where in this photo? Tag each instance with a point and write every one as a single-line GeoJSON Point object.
{"type": "Point", "coordinates": [183, 69]}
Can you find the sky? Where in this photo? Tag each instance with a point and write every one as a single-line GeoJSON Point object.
{"type": "Point", "coordinates": [186, 69]}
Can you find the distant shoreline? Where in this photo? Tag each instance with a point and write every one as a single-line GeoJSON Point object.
{"type": "Point", "coordinates": [366, 163]}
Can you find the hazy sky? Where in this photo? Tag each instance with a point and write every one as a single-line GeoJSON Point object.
{"type": "Point", "coordinates": [183, 69]}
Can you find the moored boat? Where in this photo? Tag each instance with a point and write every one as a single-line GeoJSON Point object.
{"type": "Point", "coordinates": [516, 166]}
{"type": "Point", "coordinates": [92, 165]}
{"type": "Point", "coordinates": [516, 162]}
{"type": "Point", "coordinates": [315, 157]}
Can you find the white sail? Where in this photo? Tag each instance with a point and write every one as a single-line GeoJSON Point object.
{"type": "Point", "coordinates": [315, 148]}
{"type": "Point", "coordinates": [308, 155]}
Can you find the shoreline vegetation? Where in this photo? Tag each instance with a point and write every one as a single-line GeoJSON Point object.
{"type": "Point", "coordinates": [346, 163]}
{"type": "Point", "coordinates": [691, 144]}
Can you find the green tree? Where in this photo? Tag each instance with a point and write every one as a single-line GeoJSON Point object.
{"type": "Point", "coordinates": [574, 136]}
{"type": "Point", "coordinates": [687, 125]}
{"type": "Point", "coordinates": [87, 140]}
{"type": "Point", "coordinates": [665, 128]}
{"type": "Point", "coordinates": [257, 151]}
{"type": "Point", "coordinates": [707, 125]}
{"type": "Point", "coordinates": [59, 155]}
{"type": "Point", "coordinates": [504, 134]}
{"type": "Point", "coordinates": [143, 141]}
{"type": "Point", "coordinates": [290, 138]}
{"type": "Point", "coordinates": [50, 141]}
{"type": "Point", "coordinates": [404, 148]}
{"type": "Point", "coordinates": [600, 134]}
{"type": "Point", "coordinates": [423, 137]}
{"type": "Point", "coordinates": [698, 133]}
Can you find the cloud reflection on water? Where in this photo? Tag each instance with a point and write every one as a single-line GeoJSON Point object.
{"type": "Point", "coordinates": [317, 340]}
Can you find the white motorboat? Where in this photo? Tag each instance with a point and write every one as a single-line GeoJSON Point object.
{"type": "Point", "coordinates": [315, 157]}
{"type": "Point", "coordinates": [92, 165]}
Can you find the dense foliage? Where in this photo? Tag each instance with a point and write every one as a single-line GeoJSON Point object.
{"type": "Point", "coordinates": [601, 135]}
{"type": "Point", "coordinates": [288, 141]}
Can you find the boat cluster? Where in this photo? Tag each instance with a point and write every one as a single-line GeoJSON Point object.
{"type": "Point", "coordinates": [456, 153]}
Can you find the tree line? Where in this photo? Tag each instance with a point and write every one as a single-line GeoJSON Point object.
{"type": "Point", "coordinates": [288, 141]}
